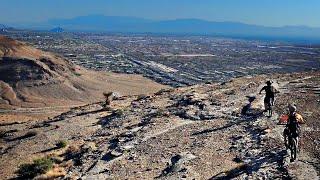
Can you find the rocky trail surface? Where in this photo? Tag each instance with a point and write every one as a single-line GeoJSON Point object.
{"type": "Point", "coordinates": [197, 132]}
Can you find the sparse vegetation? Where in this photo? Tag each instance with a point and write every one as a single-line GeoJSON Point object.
{"type": "Point", "coordinates": [62, 144]}
{"type": "Point", "coordinates": [118, 112]}
{"type": "Point", "coordinates": [74, 153]}
{"type": "Point", "coordinates": [30, 134]}
{"type": "Point", "coordinates": [77, 74]}
{"type": "Point", "coordinates": [107, 94]}
{"type": "Point", "coordinates": [141, 97]}
{"type": "Point", "coordinates": [230, 92]}
{"type": "Point", "coordinates": [108, 97]}
{"type": "Point", "coordinates": [162, 113]}
{"type": "Point", "coordinates": [162, 91]}
{"type": "Point", "coordinates": [38, 167]}
{"type": "Point", "coordinates": [2, 133]}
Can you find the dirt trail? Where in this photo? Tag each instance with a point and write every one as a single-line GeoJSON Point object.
{"type": "Point", "coordinates": [301, 168]}
{"type": "Point", "coordinates": [251, 146]}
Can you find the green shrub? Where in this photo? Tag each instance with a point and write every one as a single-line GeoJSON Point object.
{"type": "Point", "coordinates": [77, 74]}
{"type": "Point", "coordinates": [62, 144]}
{"type": "Point", "coordinates": [38, 167]}
{"type": "Point", "coordinates": [118, 112]}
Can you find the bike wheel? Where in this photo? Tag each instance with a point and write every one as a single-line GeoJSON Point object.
{"type": "Point", "coordinates": [293, 149]}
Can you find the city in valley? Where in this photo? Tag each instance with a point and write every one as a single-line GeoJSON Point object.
{"type": "Point", "coordinates": [176, 60]}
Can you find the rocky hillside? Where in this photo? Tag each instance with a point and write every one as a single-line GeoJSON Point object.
{"type": "Point", "coordinates": [195, 132]}
{"type": "Point", "coordinates": [32, 78]}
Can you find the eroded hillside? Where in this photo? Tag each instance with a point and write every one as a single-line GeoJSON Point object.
{"type": "Point", "coordinates": [31, 78]}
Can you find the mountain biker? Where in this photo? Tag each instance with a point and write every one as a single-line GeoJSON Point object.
{"type": "Point", "coordinates": [293, 125]}
{"type": "Point", "coordinates": [269, 98]}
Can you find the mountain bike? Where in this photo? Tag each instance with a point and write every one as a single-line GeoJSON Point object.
{"type": "Point", "coordinates": [268, 106]}
{"type": "Point", "coordinates": [291, 143]}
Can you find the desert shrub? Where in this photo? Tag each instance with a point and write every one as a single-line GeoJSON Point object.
{"type": "Point", "coordinates": [30, 134]}
{"type": "Point", "coordinates": [107, 94]}
{"type": "Point", "coordinates": [2, 133]}
{"type": "Point", "coordinates": [77, 74]}
{"type": "Point", "coordinates": [62, 144]}
{"type": "Point", "coordinates": [141, 97]}
{"type": "Point", "coordinates": [230, 92]}
{"type": "Point", "coordinates": [74, 153]}
{"type": "Point", "coordinates": [161, 113]}
{"type": "Point", "coordinates": [39, 166]}
{"type": "Point", "coordinates": [118, 112]}
{"type": "Point", "coordinates": [162, 91]}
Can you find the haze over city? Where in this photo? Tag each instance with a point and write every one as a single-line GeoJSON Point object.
{"type": "Point", "coordinates": [262, 12]}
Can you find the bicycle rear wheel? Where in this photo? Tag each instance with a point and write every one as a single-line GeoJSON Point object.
{"type": "Point", "coordinates": [293, 149]}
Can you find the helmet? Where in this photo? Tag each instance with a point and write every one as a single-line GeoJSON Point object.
{"type": "Point", "coordinates": [292, 108]}
{"type": "Point", "coordinates": [269, 82]}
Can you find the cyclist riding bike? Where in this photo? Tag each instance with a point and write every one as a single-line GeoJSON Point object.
{"type": "Point", "coordinates": [269, 98]}
{"type": "Point", "coordinates": [292, 131]}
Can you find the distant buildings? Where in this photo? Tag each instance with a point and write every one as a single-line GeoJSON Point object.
{"type": "Point", "coordinates": [175, 61]}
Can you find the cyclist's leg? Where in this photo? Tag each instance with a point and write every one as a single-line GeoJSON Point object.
{"type": "Point", "coordinates": [297, 143]}
{"type": "Point", "coordinates": [290, 142]}
{"type": "Point", "coordinates": [285, 136]}
{"type": "Point", "coordinates": [266, 103]}
{"type": "Point", "coordinates": [265, 106]}
{"type": "Point", "coordinates": [269, 107]}
{"type": "Point", "coordinates": [294, 148]}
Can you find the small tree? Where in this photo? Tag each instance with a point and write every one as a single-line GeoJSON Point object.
{"type": "Point", "coordinates": [108, 96]}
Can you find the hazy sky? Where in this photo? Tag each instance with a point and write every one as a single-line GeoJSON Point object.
{"type": "Point", "coordinates": [261, 12]}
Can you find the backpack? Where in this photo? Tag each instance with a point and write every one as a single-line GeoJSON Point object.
{"type": "Point", "coordinates": [299, 119]}
{"type": "Point", "coordinates": [285, 118]}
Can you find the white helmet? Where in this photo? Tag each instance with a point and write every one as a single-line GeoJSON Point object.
{"type": "Point", "coordinates": [292, 108]}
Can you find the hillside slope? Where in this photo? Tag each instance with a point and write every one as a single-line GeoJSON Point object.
{"type": "Point", "coordinates": [32, 78]}
{"type": "Point", "coordinates": [194, 132]}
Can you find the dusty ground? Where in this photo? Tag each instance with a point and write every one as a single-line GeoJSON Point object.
{"type": "Point", "coordinates": [187, 133]}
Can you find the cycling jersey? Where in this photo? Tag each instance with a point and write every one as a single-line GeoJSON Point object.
{"type": "Point", "coordinates": [269, 91]}
{"type": "Point", "coordinates": [293, 124]}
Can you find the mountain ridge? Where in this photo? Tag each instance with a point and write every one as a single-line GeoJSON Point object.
{"type": "Point", "coordinates": [187, 26]}
{"type": "Point", "coordinates": [191, 25]}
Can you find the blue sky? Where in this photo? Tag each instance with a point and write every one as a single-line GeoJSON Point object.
{"type": "Point", "coordinates": [260, 12]}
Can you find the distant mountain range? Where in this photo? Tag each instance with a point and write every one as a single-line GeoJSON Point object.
{"type": "Point", "coordinates": [4, 28]}
{"type": "Point", "coordinates": [179, 26]}
{"type": "Point", "coordinates": [57, 30]}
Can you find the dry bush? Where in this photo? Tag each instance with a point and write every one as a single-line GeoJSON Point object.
{"type": "Point", "coordinates": [62, 144]}
{"type": "Point", "coordinates": [30, 134]}
{"type": "Point", "coordinates": [55, 172]}
{"type": "Point", "coordinates": [38, 167]}
{"type": "Point", "coordinates": [141, 97]}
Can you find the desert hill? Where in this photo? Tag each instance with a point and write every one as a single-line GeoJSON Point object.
{"type": "Point", "coordinates": [196, 132]}
{"type": "Point", "coordinates": [32, 78]}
